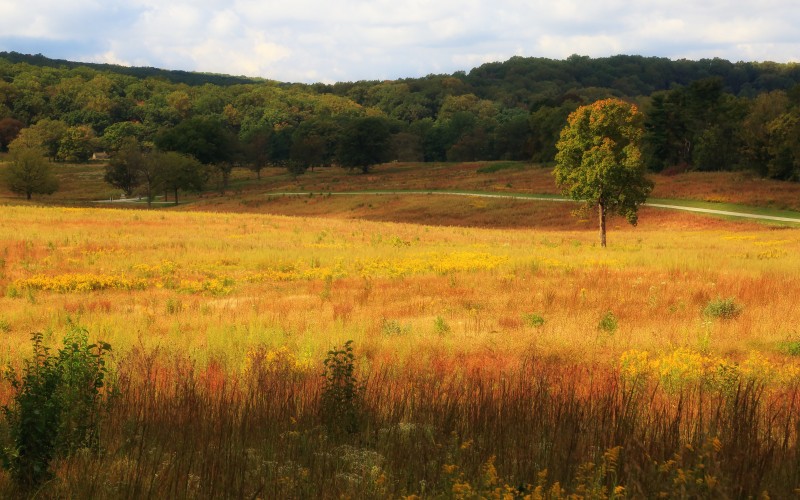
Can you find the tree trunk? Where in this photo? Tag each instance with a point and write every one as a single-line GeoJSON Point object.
{"type": "Point", "coordinates": [28, 194]}
{"type": "Point", "coordinates": [601, 210]}
{"type": "Point", "coordinates": [176, 196]}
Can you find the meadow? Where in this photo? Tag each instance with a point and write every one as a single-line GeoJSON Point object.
{"type": "Point", "coordinates": [498, 351]}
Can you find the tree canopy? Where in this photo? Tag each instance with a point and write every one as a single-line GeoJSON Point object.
{"type": "Point", "coordinates": [701, 115]}
{"type": "Point", "coordinates": [599, 160]}
{"type": "Point", "coordinates": [29, 172]}
{"type": "Point", "coordinates": [364, 142]}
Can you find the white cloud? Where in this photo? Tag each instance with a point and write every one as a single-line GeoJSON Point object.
{"type": "Point", "coordinates": [312, 40]}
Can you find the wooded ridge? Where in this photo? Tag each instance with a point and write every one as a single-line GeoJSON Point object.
{"type": "Point", "coordinates": [710, 114]}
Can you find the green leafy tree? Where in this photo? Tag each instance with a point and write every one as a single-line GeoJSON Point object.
{"type": "Point", "coordinates": [545, 124]}
{"type": "Point", "coordinates": [115, 135]}
{"type": "Point", "coordinates": [314, 142]}
{"type": "Point", "coordinates": [124, 169]}
{"type": "Point", "coordinates": [307, 151]}
{"type": "Point", "coordinates": [599, 160]}
{"type": "Point", "coordinates": [29, 172]}
{"type": "Point", "coordinates": [755, 129]}
{"type": "Point", "coordinates": [46, 134]}
{"type": "Point", "coordinates": [208, 140]}
{"type": "Point", "coordinates": [178, 171]}
{"type": "Point", "coordinates": [784, 147]}
{"type": "Point", "coordinates": [77, 145]}
{"type": "Point", "coordinates": [257, 148]}
{"type": "Point", "coordinates": [133, 169]}
{"type": "Point", "coordinates": [406, 146]}
{"type": "Point", "coordinates": [364, 142]}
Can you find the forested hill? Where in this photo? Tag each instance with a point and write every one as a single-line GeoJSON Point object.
{"type": "Point", "coordinates": [705, 115]}
{"type": "Point", "coordinates": [630, 75]}
{"type": "Point", "coordinates": [174, 76]}
{"type": "Point", "coordinates": [536, 81]}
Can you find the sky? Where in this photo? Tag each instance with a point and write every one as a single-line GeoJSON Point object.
{"type": "Point", "coordinates": [348, 40]}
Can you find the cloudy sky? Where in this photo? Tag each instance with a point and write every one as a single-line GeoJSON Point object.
{"type": "Point", "coordinates": [347, 40]}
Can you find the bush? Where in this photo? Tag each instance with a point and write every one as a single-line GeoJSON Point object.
{"type": "Point", "coordinates": [533, 320]}
{"type": "Point", "coordinates": [393, 327]}
{"type": "Point", "coordinates": [56, 408]}
{"type": "Point", "coordinates": [342, 394]}
{"type": "Point", "coordinates": [608, 323]}
{"type": "Point", "coordinates": [790, 347]}
{"type": "Point", "coordinates": [722, 309]}
{"type": "Point", "coordinates": [441, 326]}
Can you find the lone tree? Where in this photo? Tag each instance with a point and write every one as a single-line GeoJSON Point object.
{"type": "Point", "coordinates": [29, 172]}
{"type": "Point", "coordinates": [599, 160]}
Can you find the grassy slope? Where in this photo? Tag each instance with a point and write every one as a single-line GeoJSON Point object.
{"type": "Point", "coordinates": [723, 191]}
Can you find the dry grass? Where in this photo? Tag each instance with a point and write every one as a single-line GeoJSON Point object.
{"type": "Point", "coordinates": [220, 322]}
{"type": "Point", "coordinates": [81, 183]}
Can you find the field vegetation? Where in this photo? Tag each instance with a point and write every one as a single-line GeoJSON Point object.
{"type": "Point", "coordinates": [292, 329]}
{"type": "Point", "coordinates": [484, 362]}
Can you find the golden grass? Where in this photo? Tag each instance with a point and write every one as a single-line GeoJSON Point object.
{"type": "Point", "coordinates": [477, 323]}
{"type": "Point", "coordinates": [216, 284]}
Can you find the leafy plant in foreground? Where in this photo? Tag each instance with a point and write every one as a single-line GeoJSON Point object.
{"type": "Point", "coordinates": [342, 393]}
{"type": "Point", "coordinates": [56, 408]}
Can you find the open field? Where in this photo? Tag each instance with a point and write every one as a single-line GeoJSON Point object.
{"type": "Point", "coordinates": [496, 360]}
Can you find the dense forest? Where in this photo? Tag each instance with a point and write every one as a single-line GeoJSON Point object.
{"type": "Point", "coordinates": [699, 115]}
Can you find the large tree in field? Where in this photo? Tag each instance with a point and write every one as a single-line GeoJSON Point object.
{"type": "Point", "coordinates": [29, 172]}
{"type": "Point", "coordinates": [599, 160]}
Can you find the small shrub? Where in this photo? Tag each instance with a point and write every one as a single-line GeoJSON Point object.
{"type": "Point", "coordinates": [174, 306]}
{"type": "Point", "coordinates": [393, 327]}
{"type": "Point", "coordinates": [342, 393]}
{"type": "Point", "coordinates": [608, 323]}
{"type": "Point", "coordinates": [325, 294]}
{"type": "Point", "coordinates": [440, 326]}
{"type": "Point", "coordinates": [790, 347]}
{"type": "Point", "coordinates": [722, 309]}
{"type": "Point", "coordinates": [533, 320]}
{"type": "Point", "coordinates": [5, 326]}
{"type": "Point", "coordinates": [57, 406]}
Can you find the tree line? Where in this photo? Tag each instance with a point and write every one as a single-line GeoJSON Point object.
{"type": "Point", "coordinates": [700, 115]}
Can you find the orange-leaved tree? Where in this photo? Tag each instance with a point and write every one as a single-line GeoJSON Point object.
{"type": "Point", "coordinates": [599, 160]}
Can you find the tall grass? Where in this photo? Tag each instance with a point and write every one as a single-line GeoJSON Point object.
{"type": "Point", "coordinates": [219, 350]}
{"type": "Point", "coordinates": [182, 432]}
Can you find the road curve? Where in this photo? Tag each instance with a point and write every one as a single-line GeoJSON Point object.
{"type": "Point", "coordinates": [545, 198]}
